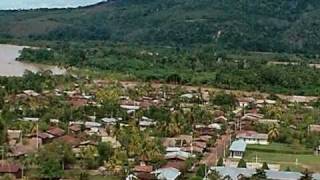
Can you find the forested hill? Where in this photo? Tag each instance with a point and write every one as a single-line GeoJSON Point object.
{"type": "Point", "coordinates": [255, 25]}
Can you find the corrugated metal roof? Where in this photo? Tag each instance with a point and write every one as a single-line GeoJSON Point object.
{"type": "Point", "coordinates": [234, 173]}
{"type": "Point", "coordinates": [238, 145]}
{"type": "Point", "coordinates": [167, 173]}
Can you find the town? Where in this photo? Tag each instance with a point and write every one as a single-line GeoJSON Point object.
{"type": "Point", "coordinates": [78, 127]}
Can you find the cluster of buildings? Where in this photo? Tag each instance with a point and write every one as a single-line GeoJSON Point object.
{"type": "Point", "coordinates": [209, 141]}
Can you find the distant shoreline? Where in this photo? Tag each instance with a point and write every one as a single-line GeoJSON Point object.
{"type": "Point", "coordinates": [9, 67]}
{"type": "Point", "coordinates": [55, 7]}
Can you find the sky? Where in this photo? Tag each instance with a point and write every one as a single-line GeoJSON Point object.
{"type": "Point", "coordinates": [34, 4]}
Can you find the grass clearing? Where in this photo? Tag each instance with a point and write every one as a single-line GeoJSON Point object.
{"type": "Point", "coordinates": [285, 155]}
{"type": "Point", "coordinates": [281, 148]}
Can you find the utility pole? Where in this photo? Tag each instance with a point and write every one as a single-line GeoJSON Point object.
{"type": "Point", "coordinates": [2, 152]}
{"type": "Point", "coordinates": [22, 171]}
{"type": "Point", "coordinates": [191, 142]}
{"type": "Point", "coordinates": [37, 135]}
{"type": "Point", "coordinates": [206, 173]}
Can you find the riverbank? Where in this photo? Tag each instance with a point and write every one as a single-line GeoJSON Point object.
{"type": "Point", "coordinates": [10, 67]}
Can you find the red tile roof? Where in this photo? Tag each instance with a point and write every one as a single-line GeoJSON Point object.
{"type": "Point", "coordinates": [44, 135]}
{"type": "Point", "coordinates": [9, 167]}
{"type": "Point", "coordinates": [145, 168]}
{"type": "Point", "coordinates": [78, 102]}
{"type": "Point", "coordinates": [180, 165]}
{"type": "Point", "coordinates": [75, 128]}
{"type": "Point", "coordinates": [72, 141]}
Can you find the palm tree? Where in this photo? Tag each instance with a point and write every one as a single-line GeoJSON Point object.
{"type": "Point", "coordinates": [273, 132]}
{"type": "Point", "coordinates": [306, 175]}
{"type": "Point", "coordinates": [30, 161]}
{"type": "Point", "coordinates": [88, 154]}
{"type": "Point", "coordinates": [174, 125]}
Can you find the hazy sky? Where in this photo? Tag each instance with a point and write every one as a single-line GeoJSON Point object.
{"type": "Point", "coordinates": [32, 4]}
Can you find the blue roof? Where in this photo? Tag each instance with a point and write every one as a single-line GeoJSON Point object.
{"type": "Point", "coordinates": [316, 176]}
{"type": "Point", "coordinates": [238, 145]}
{"type": "Point", "coordinates": [234, 173]}
{"type": "Point", "coordinates": [167, 173]}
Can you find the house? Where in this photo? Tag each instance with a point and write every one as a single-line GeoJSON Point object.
{"type": "Point", "coordinates": [268, 121]}
{"type": "Point", "coordinates": [317, 151]}
{"type": "Point", "coordinates": [169, 142]}
{"type": "Point", "coordinates": [143, 167]}
{"type": "Point", "coordinates": [178, 155]}
{"type": "Point", "coordinates": [143, 171]}
{"type": "Point", "coordinates": [112, 140]}
{"type": "Point", "coordinates": [10, 168]}
{"type": "Point", "coordinates": [177, 159]}
{"type": "Point", "coordinates": [217, 113]}
{"type": "Point", "coordinates": [76, 122]}
{"type": "Point", "coordinates": [14, 136]}
{"type": "Point", "coordinates": [82, 145]}
{"type": "Point", "coordinates": [314, 128]}
{"type": "Point", "coordinates": [299, 99]}
{"type": "Point", "coordinates": [265, 101]}
{"type": "Point", "coordinates": [252, 137]}
{"type": "Point", "coordinates": [45, 137]}
{"type": "Point", "coordinates": [78, 101]}
{"type": "Point", "coordinates": [130, 107]}
{"type": "Point", "coordinates": [56, 132]}
{"type": "Point", "coordinates": [93, 131]}
{"type": "Point", "coordinates": [220, 119]}
{"type": "Point", "coordinates": [199, 144]}
{"type": "Point", "coordinates": [75, 128]}
{"type": "Point", "coordinates": [180, 165]}
{"type": "Point", "coordinates": [203, 138]}
{"type": "Point", "coordinates": [173, 149]}
{"type": "Point", "coordinates": [29, 146]}
{"type": "Point", "coordinates": [31, 93]}
{"type": "Point", "coordinates": [70, 140]}
{"type": "Point", "coordinates": [54, 121]}
{"type": "Point", "coordinates": [110, 121]}
{"type": "Point", "coordinates": [29, 119]}
{"type": "Point", "coordinates": [184, 140]}
{"type": "Point", "coordinates": [92, 118]}
{"type": "Point", "coordinates": [237, 149]}
{"type": "Point", "coordinates": [192, 149]}
{"type": "Point", "coordinates": [167, 173]}
{"type": "Point", "coordinates": [215, 126]}
{"type": "Point", "coordinates": [92, 124]}
{"type": "Point", "coordinates": [244, 102]}
{"type": "Point", "coordinates": [236, 173]}
{"type": "Point", "coordinates": [146, 122]}
{"type": "Point", "coordinates": [252, 116]}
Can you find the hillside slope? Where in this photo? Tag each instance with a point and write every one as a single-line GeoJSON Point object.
{"type": "Point", "coordinates": [264, 25]}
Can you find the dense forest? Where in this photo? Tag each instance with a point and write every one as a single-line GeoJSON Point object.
{"type": "Point", "coordinates": [224, 44]}
{"type": "Point", "coordinates": [204, 66]}
{"type": "Point", "coordinates": [261, 25]}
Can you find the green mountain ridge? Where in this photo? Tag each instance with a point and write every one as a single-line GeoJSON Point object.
{"type": "Point", "coordinates": [260, 25]}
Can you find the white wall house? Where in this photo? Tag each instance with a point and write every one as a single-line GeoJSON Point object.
{"type": "Point", "coordinates": [252, 137]}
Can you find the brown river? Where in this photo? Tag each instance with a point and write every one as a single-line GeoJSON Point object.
{"type": "Point", "coordinates": [10, 67]}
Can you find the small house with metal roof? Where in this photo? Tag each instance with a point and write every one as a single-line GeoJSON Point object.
{"type": "Point", "coordinates": [237, 149]}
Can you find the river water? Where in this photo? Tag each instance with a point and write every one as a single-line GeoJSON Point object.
{"type": "Point", "coordinates": [10, 67]}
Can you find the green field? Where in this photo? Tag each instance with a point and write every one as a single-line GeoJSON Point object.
{"type": "Point", "coordinates": [281, 148]}
{"type": "Point", "coordinates": [75, 173]}
{"type": "Point", "coordinates": [285, 155]}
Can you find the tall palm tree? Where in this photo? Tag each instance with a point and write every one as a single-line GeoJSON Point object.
{"type": "Point", "coordinates": [273, 132]}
